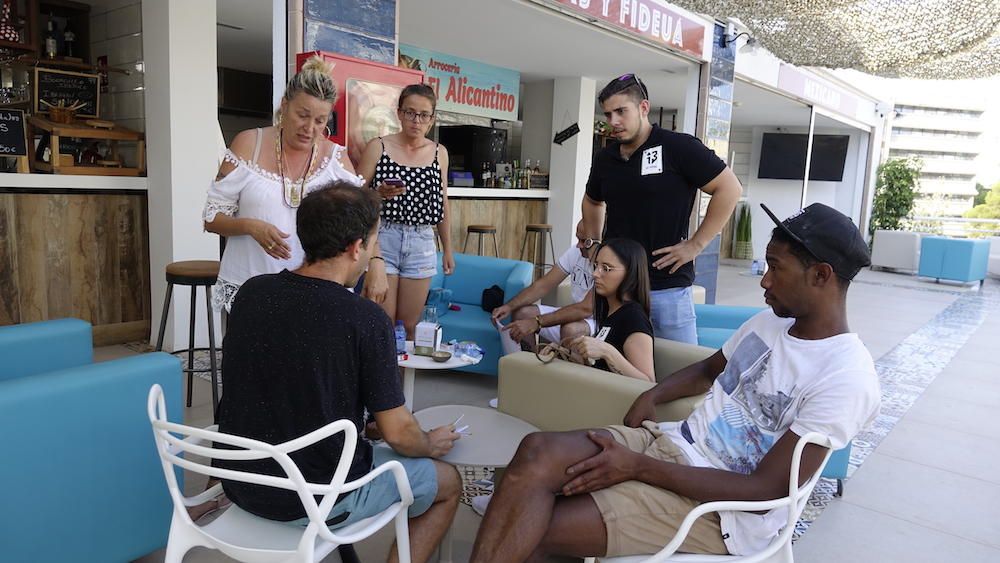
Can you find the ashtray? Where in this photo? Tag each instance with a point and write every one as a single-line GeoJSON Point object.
{"type": "Point", "coordinates": [441, 357]}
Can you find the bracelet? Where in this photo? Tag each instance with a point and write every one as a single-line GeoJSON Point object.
{"type": "Point", "coordinates": [377, 258]}
{"type": "Point", "coordinates": [538, 319]}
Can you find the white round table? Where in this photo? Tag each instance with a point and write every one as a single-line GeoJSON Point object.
{"type": "Point", "coordinates": [415, 362]}
{"type": "Point", "coordinates": [493, 436]}
{"type": "Point", "coordinates": [492, 442]}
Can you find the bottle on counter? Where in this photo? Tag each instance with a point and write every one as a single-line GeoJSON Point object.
{"type": "Point", "coordinates": [486, 174]}
{"type": "Point", "coordinates": [51, 45]}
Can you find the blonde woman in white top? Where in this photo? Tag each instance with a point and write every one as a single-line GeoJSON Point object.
{"type": "Point", "coordinates": [264, 177]}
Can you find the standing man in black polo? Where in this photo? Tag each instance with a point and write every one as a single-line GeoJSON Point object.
{"type": "Point", "coordinates": [644, 186]}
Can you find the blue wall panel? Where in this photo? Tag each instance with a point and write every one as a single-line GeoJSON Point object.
{"type": "Point", "coordinates": [365, 29]}
{"type": "Point", "coordinates": [371, 17]}
{"type": "Point", "coordinates": [322, 37]}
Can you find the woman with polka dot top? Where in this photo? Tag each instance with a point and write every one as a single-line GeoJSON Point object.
{"type": "Point", "coordinates": [410, 172]}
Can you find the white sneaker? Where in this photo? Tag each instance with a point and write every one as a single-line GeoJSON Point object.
{"type": "Point", "coordinates": [493, 402]}
{"type": "Point", "coordinates": [480, 503]}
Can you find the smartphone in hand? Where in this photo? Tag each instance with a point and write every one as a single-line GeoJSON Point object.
{"type": "Point", "coordinates": [396, 183]}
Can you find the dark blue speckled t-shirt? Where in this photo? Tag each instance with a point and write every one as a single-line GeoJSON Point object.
{"type": "Point", "coordinates": [300, 353]}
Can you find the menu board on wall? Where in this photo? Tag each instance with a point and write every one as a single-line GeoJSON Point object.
{"type": "Point", "coordinates": [466, 86]}
{"type": "Point", "coordinates": [60, 87]}
{"type": "Point", "coordinates": [12, 140]}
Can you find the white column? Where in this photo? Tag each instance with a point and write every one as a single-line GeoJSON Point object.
{"type": "Point", "coordinates": [573, 101]}
{"type": "Point", "coordinates": [279, 49]}
{"type": "Point", "coordinates": [179, 48]}
{"type": "Point", "coordinates": [687, 115]}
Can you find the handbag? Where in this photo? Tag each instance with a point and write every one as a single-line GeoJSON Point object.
{"type": "Point", "coordinates": [492, 298]}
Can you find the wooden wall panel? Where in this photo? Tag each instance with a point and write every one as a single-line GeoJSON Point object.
{"type": "Point", "coordinates": [57, 240]}
{"type": "Point", "coordinates": [10, 310]}
{"type": "Point", "coordinates": [32, 289]}
{"type": "Point", "coordinates": [508, 215]}
{"type": "Point", "coordinates": [83, 255]}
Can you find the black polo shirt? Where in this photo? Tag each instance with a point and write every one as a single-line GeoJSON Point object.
{"type": "Point", "coordinates": [649, 196]}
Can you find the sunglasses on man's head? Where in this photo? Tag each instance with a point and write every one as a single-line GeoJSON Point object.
{"type": "Point", "coordinates": [627, 80]}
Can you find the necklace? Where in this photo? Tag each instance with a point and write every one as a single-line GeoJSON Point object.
{"type": "Point", "coordinates": [292, 191]}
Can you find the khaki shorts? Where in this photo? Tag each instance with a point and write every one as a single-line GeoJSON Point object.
{"type": "Point", "coordinates": [640, 518]}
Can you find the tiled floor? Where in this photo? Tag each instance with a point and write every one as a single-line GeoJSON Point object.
{"type": "Point", "coordinates": [926, 489]}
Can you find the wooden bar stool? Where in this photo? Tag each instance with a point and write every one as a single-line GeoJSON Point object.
{"type": "Point", "coordinates": [193, 273]}
{"type": "Point", "coordinates": [481, 230]}
{"type": "Point", "coordinates": [538, 232]}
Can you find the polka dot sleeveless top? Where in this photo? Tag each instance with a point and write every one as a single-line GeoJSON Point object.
{"type": "Point", "coordinates": [422, 202]}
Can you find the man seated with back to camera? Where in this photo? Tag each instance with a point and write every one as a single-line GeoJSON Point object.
{"type": "Point", "coordinates": [790, 370]}
{"type": "Point", "coordinates": [302, 351]}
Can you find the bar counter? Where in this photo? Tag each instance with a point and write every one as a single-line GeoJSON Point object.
{"type": "Point", "coordinates": [509, 210]}
{"type": "Point", "coordinates": [76, 246]}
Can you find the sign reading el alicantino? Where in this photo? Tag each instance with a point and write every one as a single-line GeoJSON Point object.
{"type": "Point", "coordinates": [649, 20]}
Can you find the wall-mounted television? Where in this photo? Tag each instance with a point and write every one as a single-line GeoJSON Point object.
{"type": "Point", "coordinates": [783, 157]}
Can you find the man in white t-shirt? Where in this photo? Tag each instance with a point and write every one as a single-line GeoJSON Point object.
{"type": "Point", "coordinates": [552, 324]}
{"type": "Point", "coordinates": [788, 371]}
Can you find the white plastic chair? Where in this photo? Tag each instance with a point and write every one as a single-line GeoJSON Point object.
{"type": "Point", "coordinates": [252, 539]}
{"type": "Point", "coordinates": [780, 548]}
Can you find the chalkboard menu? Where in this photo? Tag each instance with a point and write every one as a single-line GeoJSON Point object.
{"type": "Point", "coordinates": [69, 88]}
{"type": "Point", "coordinates": [12, 141]}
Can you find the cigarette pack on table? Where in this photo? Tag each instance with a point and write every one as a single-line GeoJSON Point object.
{"type": "Point", "coordinates": [427, 338]}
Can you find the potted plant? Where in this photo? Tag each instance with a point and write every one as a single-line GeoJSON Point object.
{"type": "Point", "coordinates": [742, 247]}
{"type": "Point", "coordinates": [896, 187]}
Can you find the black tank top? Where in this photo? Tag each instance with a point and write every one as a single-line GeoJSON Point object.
{"type": "Point", "coordinates": [422, 203]}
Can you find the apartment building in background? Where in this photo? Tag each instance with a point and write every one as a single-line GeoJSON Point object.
{"type": "Point", "coordinates": [944, 129]}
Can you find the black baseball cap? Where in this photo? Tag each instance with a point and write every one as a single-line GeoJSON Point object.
{"type": "Point", "coordinates": [830, 236]}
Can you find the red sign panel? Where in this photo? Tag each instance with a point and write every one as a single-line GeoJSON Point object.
{"type": "Point", "coordinates": [649, 20]}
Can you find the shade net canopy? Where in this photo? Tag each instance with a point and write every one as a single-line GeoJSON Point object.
{"type": "Point", "coordinates": [930, 39]}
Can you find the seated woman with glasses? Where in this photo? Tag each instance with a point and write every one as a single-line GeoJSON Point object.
{"type": "Point", "coordinates": [410, 172]}
{"type": "Point", "coordinates": [624, 340]}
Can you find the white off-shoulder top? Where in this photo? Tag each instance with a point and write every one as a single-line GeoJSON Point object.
{"type": "Point", "coordinates": [251, 192]}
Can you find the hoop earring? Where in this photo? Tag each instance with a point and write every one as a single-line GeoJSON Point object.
{"type": "Point", "coordinates": [329, 133]}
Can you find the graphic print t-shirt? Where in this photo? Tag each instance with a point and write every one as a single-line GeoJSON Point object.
{"type": "Point", "coordinates": [774, 382]}
{"type": "Point", "coordinates": [580, 271]}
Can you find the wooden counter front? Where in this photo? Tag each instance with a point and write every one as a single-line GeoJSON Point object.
{"type": "Point", "coordinates": [82, 255]}
{"type": "Point", "coordinates": [510, 216]}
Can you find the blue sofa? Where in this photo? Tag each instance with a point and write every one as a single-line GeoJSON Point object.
{"type": "Point", "coordinates": [961, 260]}
{"type": "Point", "coordinates": [716, 323]}
{"type": "Point", "coordinates": [81, 478]}
{"type": "Point", "coordinates": [472, 275]}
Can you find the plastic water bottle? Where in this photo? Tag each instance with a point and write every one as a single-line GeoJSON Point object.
{"type": "Point", "coordinates": [400, 338]}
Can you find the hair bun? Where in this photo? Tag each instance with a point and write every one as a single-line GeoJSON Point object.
{"type": "Point", "coordinates": [317, 64]}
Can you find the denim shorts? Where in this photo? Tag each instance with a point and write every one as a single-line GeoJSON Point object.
{"type": "Point", "coordinates": [381, 492]}
{"type": "Point", "coordinates": [410, 252]}
{"type": "Point", "coordinates": [672, 314]}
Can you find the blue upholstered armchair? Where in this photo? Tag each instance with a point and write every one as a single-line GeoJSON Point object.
{"type": "Point", "coordinates": [472, 275]}
{"type": "Point", "coordinates": [81, 479]}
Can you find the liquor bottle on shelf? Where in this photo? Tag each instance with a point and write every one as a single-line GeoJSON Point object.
{"type": "Point", "coordinates": [51, 45]}
{"type": "Point", "coordinates": [69, 39]}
